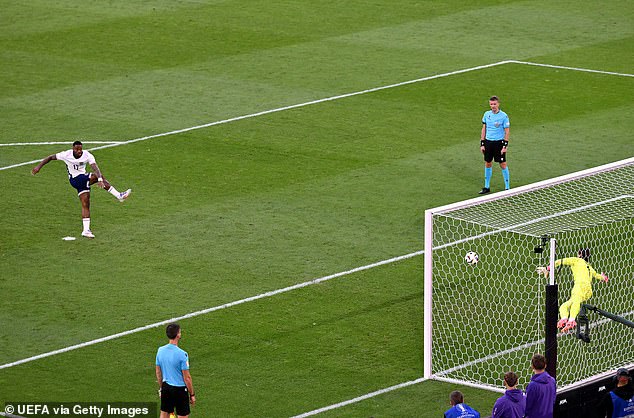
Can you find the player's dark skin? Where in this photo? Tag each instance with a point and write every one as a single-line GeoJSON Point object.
{"type": "Point", "coordinates": [84, 198]}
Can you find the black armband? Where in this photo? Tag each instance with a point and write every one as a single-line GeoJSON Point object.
{"type": "Point", "coordinates": [505, 143]}
{"type": "Point", "coordinates": [482, 142]}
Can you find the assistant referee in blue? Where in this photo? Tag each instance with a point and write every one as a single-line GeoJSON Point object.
{"type": "Point", "coordinates": [172, 373]}
{"type": "Point", "coordinates": [494, 140]}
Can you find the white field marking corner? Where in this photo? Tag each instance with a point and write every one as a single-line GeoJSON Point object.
{"type": "Point", "coordinates": [341, 96]}
{"type": "Point", "coordinates": [280, 109]}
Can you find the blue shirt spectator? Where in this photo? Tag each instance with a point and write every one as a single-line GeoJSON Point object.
{"type": "Point", "coordinates": [619, 402]}
{"type": "Point", "coordinates": [459, 409]}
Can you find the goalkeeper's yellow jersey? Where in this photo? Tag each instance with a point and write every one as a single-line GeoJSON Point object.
{"type": "Point", "coordinates": [582, 274]}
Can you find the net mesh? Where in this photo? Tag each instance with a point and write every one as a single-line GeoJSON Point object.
{"type": "Point", "coordinates": [488, 318]}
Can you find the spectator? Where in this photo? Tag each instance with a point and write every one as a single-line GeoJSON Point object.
{"type": "Point", "coordinates": [541, 391]}
{"type": "Point", "coordinates": [619, 402]}
{"type": "Point", "coordinates": [513, 403]}
{"type": "Point", "coordinates": [459, 409]}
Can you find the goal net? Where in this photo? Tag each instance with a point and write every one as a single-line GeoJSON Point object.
{"type": "Point", "coordinates": [484, 319]}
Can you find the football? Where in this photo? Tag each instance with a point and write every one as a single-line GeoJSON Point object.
{"type": "Point", "coordinates": [471, 258]}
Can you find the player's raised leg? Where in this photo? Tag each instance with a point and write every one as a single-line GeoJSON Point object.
{"type": "Point", "coordinates": [564, 314]}
{"type": "Point", "coordinates": [105, 184]}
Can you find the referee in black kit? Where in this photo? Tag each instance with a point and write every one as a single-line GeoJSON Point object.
{"type": "Point", "coordinates": [172, 373]}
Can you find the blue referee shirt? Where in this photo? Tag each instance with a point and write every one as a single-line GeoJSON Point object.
{"type": "Point", "coordinates": [172, 361]}
{"type": "Point", "coordinates": [495, 123]}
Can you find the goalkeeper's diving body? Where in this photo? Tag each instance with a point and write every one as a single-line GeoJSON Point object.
{"type": "Point", "coordinates": [582, 275]}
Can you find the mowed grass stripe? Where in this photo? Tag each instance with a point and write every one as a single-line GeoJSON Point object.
{"type": "Point", "coordinates": [279, 109]}
{"type": "Point", "coordinates": [210, 310]}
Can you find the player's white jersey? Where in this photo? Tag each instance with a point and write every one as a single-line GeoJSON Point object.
{"type": "Point", "coordinates": [75, 166]}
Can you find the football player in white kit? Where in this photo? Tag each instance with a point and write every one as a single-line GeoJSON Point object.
{"type": "Point", "coordinates": [76, 160]}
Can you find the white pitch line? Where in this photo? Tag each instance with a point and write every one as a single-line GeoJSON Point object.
{"type": "Point", "coordinates": [17, 144]}
{"type": "Point", "coordinates": [440, 375]}
{"type": "Point", "coordinates": [280, 109]}
{"type": "Point", "coordinates": [563, 67]}
{"type": "Point", "coordinates": [327, 99]}
{"type": "Point", "coordinates": [361, 398]}
{"type": "Point", "coordinates": [213, 309]}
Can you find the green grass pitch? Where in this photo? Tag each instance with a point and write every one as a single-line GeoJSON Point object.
{"type": "Point", "coordinates": [241, 208]}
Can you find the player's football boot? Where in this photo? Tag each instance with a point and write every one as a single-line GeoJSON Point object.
{"type": "Point", "coordinates": [124, 195]}
{"type": "Point", "coordinates": [484, 190]}
{"type": "Point", "coordinates": [88, 234]}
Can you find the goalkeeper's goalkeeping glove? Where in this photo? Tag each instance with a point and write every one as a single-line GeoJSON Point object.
{"type": "Point", "coordinates": [543, 271]}
{"type": "Point", "coordinates": [605, 277]}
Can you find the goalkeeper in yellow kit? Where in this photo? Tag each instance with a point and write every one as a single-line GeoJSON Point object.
{"type": "Point", "coordinates": [582, 274]}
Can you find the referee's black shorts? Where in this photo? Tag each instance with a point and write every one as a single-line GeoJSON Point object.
{"type": "Point", "coordinates": [175, 398]}
{"type": "Point", "coordinates": [493, 151]}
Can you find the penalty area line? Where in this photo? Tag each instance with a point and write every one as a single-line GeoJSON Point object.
{"type": "Point", "coordinates": [281, 109]}
{"type": "Point", "coordinates": [563, 67]}
{"type": "Point", "coordinates": [341, 96]}
{"type": "Point", "coordinates": [212, 309]}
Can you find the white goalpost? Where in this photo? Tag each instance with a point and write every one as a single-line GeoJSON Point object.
{"type": "Point", "coordinates": [487, 317]}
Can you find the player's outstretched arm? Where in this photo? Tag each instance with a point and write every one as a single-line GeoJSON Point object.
{"type": "Point", "coordinates": [42, 163]}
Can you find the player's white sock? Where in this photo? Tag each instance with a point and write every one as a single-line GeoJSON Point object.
{"type": "Point", "coordinates": [113, 192]}
{"type": "Point", "coordinates": [86, 222]}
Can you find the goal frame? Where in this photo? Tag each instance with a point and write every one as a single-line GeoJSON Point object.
{"type": "Point", "coordinates": [429, 268]}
